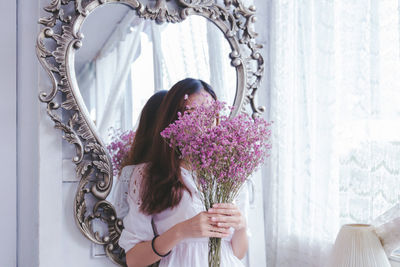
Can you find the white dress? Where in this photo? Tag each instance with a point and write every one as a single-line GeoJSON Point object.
{"type": "Point", "coordinates": [191, 252]}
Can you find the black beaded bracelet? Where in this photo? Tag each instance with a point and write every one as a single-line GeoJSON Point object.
{"type": "Point", "coordinates": [152, 246]}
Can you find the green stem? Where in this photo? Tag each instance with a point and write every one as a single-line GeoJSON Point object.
{"type": "Point", "coordinates": [214, 252]}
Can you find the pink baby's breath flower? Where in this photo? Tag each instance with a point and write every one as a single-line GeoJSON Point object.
{"type": "Point", "coordinates": [222, 155]}
{"type": "Point", "coordinates": [119, 147]}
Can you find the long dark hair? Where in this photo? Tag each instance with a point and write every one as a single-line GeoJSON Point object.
{"type": "Point", "coordinates": [163, 187]}
{"type": "Point", "coordinates": [141, 145]}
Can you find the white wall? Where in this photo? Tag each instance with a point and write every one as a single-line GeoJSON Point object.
{"type": "Point", "coordinates": [28, 118]}
{"type": "Point", "coordinates": [8, 140]}
{"type": "Point", "coordinates": [257, 246]}
{"type": "Point", "coordinates": [47, 235]}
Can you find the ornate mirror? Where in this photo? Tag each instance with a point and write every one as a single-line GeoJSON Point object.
{"type": "Point", "coordinates": [106, 57]}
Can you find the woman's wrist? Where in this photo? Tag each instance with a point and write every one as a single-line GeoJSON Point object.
{"type": "Point", "coordinates": [164, 243]}
{"type": "Point", "coordinates": [243, 225]}
{"type": "Point", "coordinates": [178, 230]}
{"type": "Point", "coordinates": [154, 249]}
{"type": "Point", "coordinates": [241, 229]}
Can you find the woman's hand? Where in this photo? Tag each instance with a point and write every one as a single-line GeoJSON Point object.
{"type": "Point", "coordinates": [227, 215]}
{"type": "Point", "coordinates": [201, 225]}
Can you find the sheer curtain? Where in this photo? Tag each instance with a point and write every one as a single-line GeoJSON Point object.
{"type": "Point", "coordinates": [197, 48]}
{"type": "Point", "coordinates": [334, 94]}
{"type": "Point", "coordinates": [105, 80]}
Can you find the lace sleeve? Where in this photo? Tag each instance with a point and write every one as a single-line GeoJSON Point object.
{"type": "Point", "coordinates": [135, 183]}
{"type": "Point", "coordinates": [120, 191]}
{"type": "Point", "coordinates": [137, 224]}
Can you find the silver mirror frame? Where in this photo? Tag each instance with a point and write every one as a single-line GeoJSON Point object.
{"type": "Point", "coordinates": [56, 45]}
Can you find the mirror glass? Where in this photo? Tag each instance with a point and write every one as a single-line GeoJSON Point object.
{"type": "Point", "coordinates": [124, 60]}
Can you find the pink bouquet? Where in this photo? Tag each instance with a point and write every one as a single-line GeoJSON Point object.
{"type": "Point", "coordinates": [119, 147]}
{"type": "Point", "coordinates": [223, 152]}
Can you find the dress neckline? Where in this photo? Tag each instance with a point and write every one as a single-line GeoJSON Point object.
{"type": "Point", "coordinates": [188, 177]}
{"type": "Point", "coordinates": [183, 168]}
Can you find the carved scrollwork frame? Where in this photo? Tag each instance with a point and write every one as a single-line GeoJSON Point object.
{"type": "Point", "coordinates": [56, 43]}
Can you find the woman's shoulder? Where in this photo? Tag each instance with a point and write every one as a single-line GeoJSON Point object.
{"type": "Point", "coordinates": [129, 169]}
{"type": "Point", "coordinates": [137, 172]}
{"type": "Point", "coordinates": [126, 173]}
{"type": "Point", "coordinates": [136, 175]}
{"type": "Point", "coordinates": [141, 168]}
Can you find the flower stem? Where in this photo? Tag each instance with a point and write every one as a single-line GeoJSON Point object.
{"type": "Point", "coordinates": [214, 252]}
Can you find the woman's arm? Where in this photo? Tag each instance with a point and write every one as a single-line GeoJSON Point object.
{"type": "Point", "coordinates": [228, 215]}
{"type": "Point", "coordinates": [142, 254]}
{"type": "Point", "coordinates": [200, 225]}
{"type": "Point", "coordinates": [240, 243]}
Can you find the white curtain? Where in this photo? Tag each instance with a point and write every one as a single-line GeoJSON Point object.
{"type": "Point", "coordinates": [334, 100]}
{"type": "Point", "coordinates": [112, 74]}
{"type": "Point", "coordinates": [222, 75]}
{"type": "Point", "coordinates": [105, 83]}
{"type": "Point", "coordinates": [196, 48]}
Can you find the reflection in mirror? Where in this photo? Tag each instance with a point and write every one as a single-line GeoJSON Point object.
{"type": "Point", "coordinates": [120, 66]}
{"type": "Point", "coordinates": [124, 60]}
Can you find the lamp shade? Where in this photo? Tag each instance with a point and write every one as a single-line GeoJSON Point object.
{"type": "Point", "coordinates": [357, 245]}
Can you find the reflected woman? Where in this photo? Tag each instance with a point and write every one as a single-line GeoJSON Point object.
{"type": "Point", "coordinates": [163, 199]}
{"type": "Point", "coordinates": [138, 152]}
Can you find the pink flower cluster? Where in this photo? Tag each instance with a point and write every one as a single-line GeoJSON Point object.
{"type": "Point", "coordinates": [119, 147]}
{"type": "Point", "coordinates": [222, 152]}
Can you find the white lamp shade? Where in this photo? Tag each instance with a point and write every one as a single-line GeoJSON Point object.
{"type": "Point", "coordinates": [357, 245]}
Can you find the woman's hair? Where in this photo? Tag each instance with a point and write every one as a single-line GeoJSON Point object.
{"type": "Point", "coordinates": [163, 186]}
{"type": "Point", "coordinates": [138, 152]}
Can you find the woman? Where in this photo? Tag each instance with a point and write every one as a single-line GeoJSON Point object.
{"type": "Point", "coordinates": [163, 193]}
{"type": "Point", "coordinates": [138, 151]}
